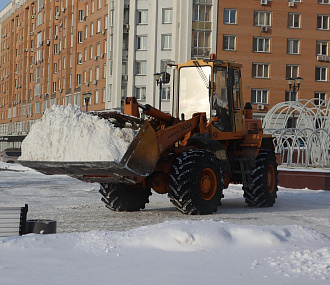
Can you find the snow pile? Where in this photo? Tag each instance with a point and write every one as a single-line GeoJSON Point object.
{"type": "Point", "coordinates": [175, 252]}
{"type": "Point", "coordinates": [68, 134]}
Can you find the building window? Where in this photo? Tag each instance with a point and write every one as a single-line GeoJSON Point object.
{"type": "Point", "coordinates": [55, 49]}
{"type": "Point", "coordinates": [86, 54]}
{"type": "Point", "coordinates": [319, 98]}
{"type": "Point", "coordinates": [293, 46]}
{"type": "Point", "coordinates": [85, 76]}
{"type": "Point", "coordinates": [200, 44]}
{"type": "Point", "coordinates": [229, 42]}
{"type": "Point", "coordinates": [167, 16]}
{"type": "Point", "coordinates": [294, 20]}
{"type": "Point", "coordinates": [77, 98]}
{"type": "Point", "coordinates": [166, 93]}
{"type": "Point", "coordinates": [67, 100]}
{"type": "Point", "coordinates": [78, 79]}
{"type": "Point", "coordinates": [164, 66]}
{"type": "Point", "coordinates": [97, 72]}
{"type": "Point", "coordinates": [37, 90]}
{"type": "Point", "coordinates": [98, 26]}
{"type": "Point", "coordinates": [261, 44]}
{"type": "Point", "coordinates": [323, 22]}
{"type": "Point", "coordinates": [292, 71]}
{"type": "Point", "coordinates": [230, 16]}
{"type": "Point", "coordinates": [79, 58]}
{"type": "Point", "coordinates": [96, 96]}
{"type": "Point", "coordinates": [321, 73]}
{"type": "Point", "coordinates": [45, 105]}
{"type": "Point", "coordinates": [104, 94]}
{"type": "Point", "coordinates": [92, 29]}
{"type": "Point", "coordinates": [98, 49]}
{"type": "Point", "coordinates": [55, 67]}
{"type": "Point", "coordinates": [86, 32]}
{"type": "Point", "coordinates": [141, 67]}
{"type": "Point", "coordinates": [202, 11]}
{"type": "Point", "coordinates": [290, 95]}
{"type": "Point", "coordinates": [80, 37]}
{"type": "Point", "coordinates": [40, 5]}
{"type": "Point", "coordinates": [140, 93]}
{"type": "Point", "coordinates": [141, 42]}
{"type": "Point", "coordinates": [38, 73]}
{"type": "Point", "coordinates": [166, 42]}
{"type": "Point", "coordinates": [91, 52]}
{"type": "Point", "coordinates": [262, 18]}
{"type": "Point", "coordinates": [260, 70]}
{"type": "Point", "coordinates": [39, 39]}
{"type": "Point", "coordinates": [81, 15]}
{"type": "Point", "coordinates": [142, 17]}
{"type": "Point", "coordinates": [36, 108]}
{"type": "Point", "coordinates": [322, 47]}
{"type": "Point", "coordinates": [106, 22]}
{"type": "Point", "coordinates": [40, 19]}
{"type": "Point", "coordinates": [259, 96]}
{"type": "Point", "coordinates": [323, 1]}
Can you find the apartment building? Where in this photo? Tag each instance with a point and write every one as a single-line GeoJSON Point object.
{"type": "Point", "coordinates": [54, 51]}
{"type": "Point", "coordinates": [146, 35]}
{"type": "Point", "coordinates": [276, 40]}
{"type": "Point", "coordinates": [48, 49]}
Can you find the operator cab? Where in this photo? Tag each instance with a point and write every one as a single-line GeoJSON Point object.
{"type": "Point", "coordinates": [212, 87]}
{"type": "Point", "coordinates": [225, 97]}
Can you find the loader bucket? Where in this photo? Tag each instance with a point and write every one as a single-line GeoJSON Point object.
{"type": "Point", "coordinates": [139, 160]}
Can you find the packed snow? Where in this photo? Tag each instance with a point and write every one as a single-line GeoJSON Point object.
{"type": "Point", "coordinates": [68, 134]}
{"type": "Point", "coordinates": [285, 244]}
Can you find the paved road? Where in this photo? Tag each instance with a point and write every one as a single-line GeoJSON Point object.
{"type": "Point", "coordinates": [76, 206]}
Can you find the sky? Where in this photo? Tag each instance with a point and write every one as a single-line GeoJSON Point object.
{"type": "Point", "coordinates": [4, 3]}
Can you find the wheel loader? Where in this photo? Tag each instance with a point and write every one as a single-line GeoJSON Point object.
{"type": "Point", "coordinates": [211, 141]}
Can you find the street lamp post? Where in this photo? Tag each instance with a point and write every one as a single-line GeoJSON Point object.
{"type": "Point", "coordinates": [158, 77]}
{"type": "Point", "coordinates": [294, 86]}
{"type": "Point", "coordinates": [87, 96]}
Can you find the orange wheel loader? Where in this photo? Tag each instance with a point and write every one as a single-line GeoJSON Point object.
{"type": "Point", "coordinates": [211, 141]}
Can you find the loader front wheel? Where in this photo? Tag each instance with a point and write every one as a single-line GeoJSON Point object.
{"type": "Point", "coordinates": [263, 191]}
{"type": "Point", "coordinates": [196, 182]}
{"type": "Point", "coordinates": [124, 198]}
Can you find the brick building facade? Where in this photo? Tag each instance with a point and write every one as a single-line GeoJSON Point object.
{"type": "Point", "coordinates": [276, 40]}
{"type": "Point", "coordinates": [51, 52]}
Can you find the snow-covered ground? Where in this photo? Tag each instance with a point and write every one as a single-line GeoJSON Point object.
{"type": "Point", "coordinates": [285, 244]}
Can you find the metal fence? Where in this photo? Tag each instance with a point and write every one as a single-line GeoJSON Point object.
{"type": "Point", "coordinates": [308, 143]}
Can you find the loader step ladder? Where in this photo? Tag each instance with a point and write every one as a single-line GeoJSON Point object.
{"type": "Point", "coordinates": [13, 220]}
{"type": "Point", "coordinates": [246, 172]}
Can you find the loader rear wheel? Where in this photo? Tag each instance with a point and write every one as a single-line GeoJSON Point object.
{"type": "Point", "coordinates": [263, 191]}
{"type": "Point", "coordinates": [124, 198]}
{"type": "Point", "coordinates": [196, 183]}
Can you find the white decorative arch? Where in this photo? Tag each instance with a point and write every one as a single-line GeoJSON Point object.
{"type": "Point", "coordinates": [307, 145]}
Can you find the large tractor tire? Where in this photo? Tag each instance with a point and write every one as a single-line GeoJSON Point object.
{"type": "Point", "coordinates": [263, 191]}
{"type": "Point", "coordinates": [196, 183]}
{"type": "Point", "coordinates": [124, 198]}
